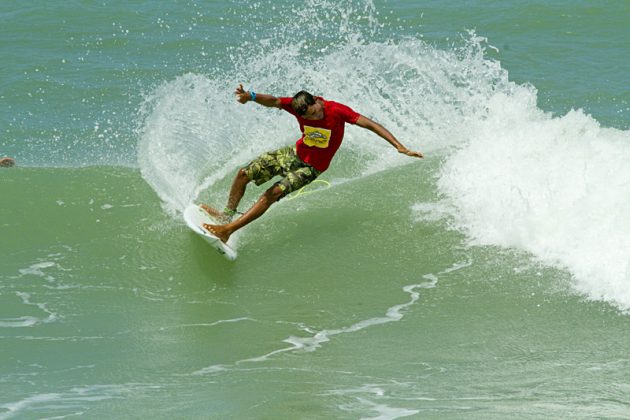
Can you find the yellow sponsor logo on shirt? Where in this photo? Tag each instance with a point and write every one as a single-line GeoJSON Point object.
{"type": "Point", "coordinates": [316, 137]}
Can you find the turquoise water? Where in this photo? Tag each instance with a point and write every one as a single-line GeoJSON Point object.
{"type": "Point", "coordinates": [490, 280]}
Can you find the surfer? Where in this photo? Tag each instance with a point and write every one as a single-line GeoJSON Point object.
{"type": "Point", "coordinates": [322, 125]}
{"type": "Point", "coordinates": [7, 162]}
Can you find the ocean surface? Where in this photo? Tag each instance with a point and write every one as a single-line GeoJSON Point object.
{"type": "Point", "coordinates": [490, 280]}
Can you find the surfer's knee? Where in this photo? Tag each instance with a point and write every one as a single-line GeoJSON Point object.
{"type": "Point", "coordinates": [273, 194]}
{"type": "Point", "coordinates": [241, 175]}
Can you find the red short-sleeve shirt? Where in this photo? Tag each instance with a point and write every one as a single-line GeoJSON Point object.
{"type": "Point", "coordinates": [321, 138]}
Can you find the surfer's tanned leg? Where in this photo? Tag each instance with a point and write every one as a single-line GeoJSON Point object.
{"type": "Point", "coordinates": [265, 201]}
{"type": "Point", "coordinates": [236, 194]}
{"type": "Point", "coordinates": [238, 189]}
{"type": "Point", "coordinates": [219, 215]}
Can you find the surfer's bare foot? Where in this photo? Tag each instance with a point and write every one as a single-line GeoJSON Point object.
{"type": "Point", "coordinates": [219, 215]}
{"type": "Point", "coordinates": [219, 231]}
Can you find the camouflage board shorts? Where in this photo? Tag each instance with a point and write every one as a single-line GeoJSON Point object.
{"type": "Point", "coordinates": [283, 162]}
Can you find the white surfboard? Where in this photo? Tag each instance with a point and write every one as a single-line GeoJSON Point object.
{"type": "Point", "coordinates": [195, 217]}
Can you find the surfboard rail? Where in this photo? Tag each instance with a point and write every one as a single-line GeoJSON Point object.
{"type": "Point", "coordinates": [195, 217]}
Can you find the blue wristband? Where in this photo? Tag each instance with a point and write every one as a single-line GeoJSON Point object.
{"type": "Point", "coordinates": [253, 95]}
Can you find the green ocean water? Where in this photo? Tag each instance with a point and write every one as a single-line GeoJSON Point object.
{"type": "Point", "coordinates": [489, 280]}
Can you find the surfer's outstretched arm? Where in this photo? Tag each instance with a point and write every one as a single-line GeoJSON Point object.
{"type": "Point", "coordinates": [384, 133]}
{"type": "Point", "coordinates": [244, 96]}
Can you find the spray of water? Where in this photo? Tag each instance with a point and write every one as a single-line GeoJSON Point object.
{"type": "Point", "coordinates": [555, 187]}
{"type": "Point", "coordinates": [194, 132]}
{"type": "Point", "coordinates": [513, 175]}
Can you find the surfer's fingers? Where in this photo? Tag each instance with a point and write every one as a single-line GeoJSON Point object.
{"type": "Point", "coordinates": [242, 96]}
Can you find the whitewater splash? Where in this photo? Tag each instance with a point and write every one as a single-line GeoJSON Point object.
{"type": "Point", "coordinates": [555, 187]}
{"type": "Point", "coordinates": [513, 176]}
{"type": "Point", "coordinates": [194, 134]}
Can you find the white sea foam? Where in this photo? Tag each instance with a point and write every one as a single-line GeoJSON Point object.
{"type": "Point", "coordinates": [432, 212]}
{"type": "Point", "coordinates": [29, 321]}
{"type": "Point", "coordinates": [210, 324]}
{"type": "Point", "coordinates": [318, 338]}
{"type": "Point", "coordinates": [37, 269]}
{"type": "Point", "coordinates": [364, 400]}
{"type": "Point", "coordinates": [23, 321]}
{"type": "Point", "coordinates": [309, 344]}
{"type": "Point", "coordinates": [72, 402]}
{"type": "Point", "coordinates": [557, 187]}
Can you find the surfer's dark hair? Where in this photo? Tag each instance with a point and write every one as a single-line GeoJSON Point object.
{"type": "Point", "coordinates": [301, 101]}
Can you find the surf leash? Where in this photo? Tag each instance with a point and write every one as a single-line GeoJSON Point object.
{"type": "Point", "coordinates": [306, 191]}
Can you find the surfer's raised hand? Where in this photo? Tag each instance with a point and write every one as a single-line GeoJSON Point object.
{"type": "Point", "coordinates": [411, 153]}
{"type": "Point", "coordinates": [242, 95]}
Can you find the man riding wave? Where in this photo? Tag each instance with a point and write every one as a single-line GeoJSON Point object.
{"type": "Point", "coordinates": [322, 124]}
